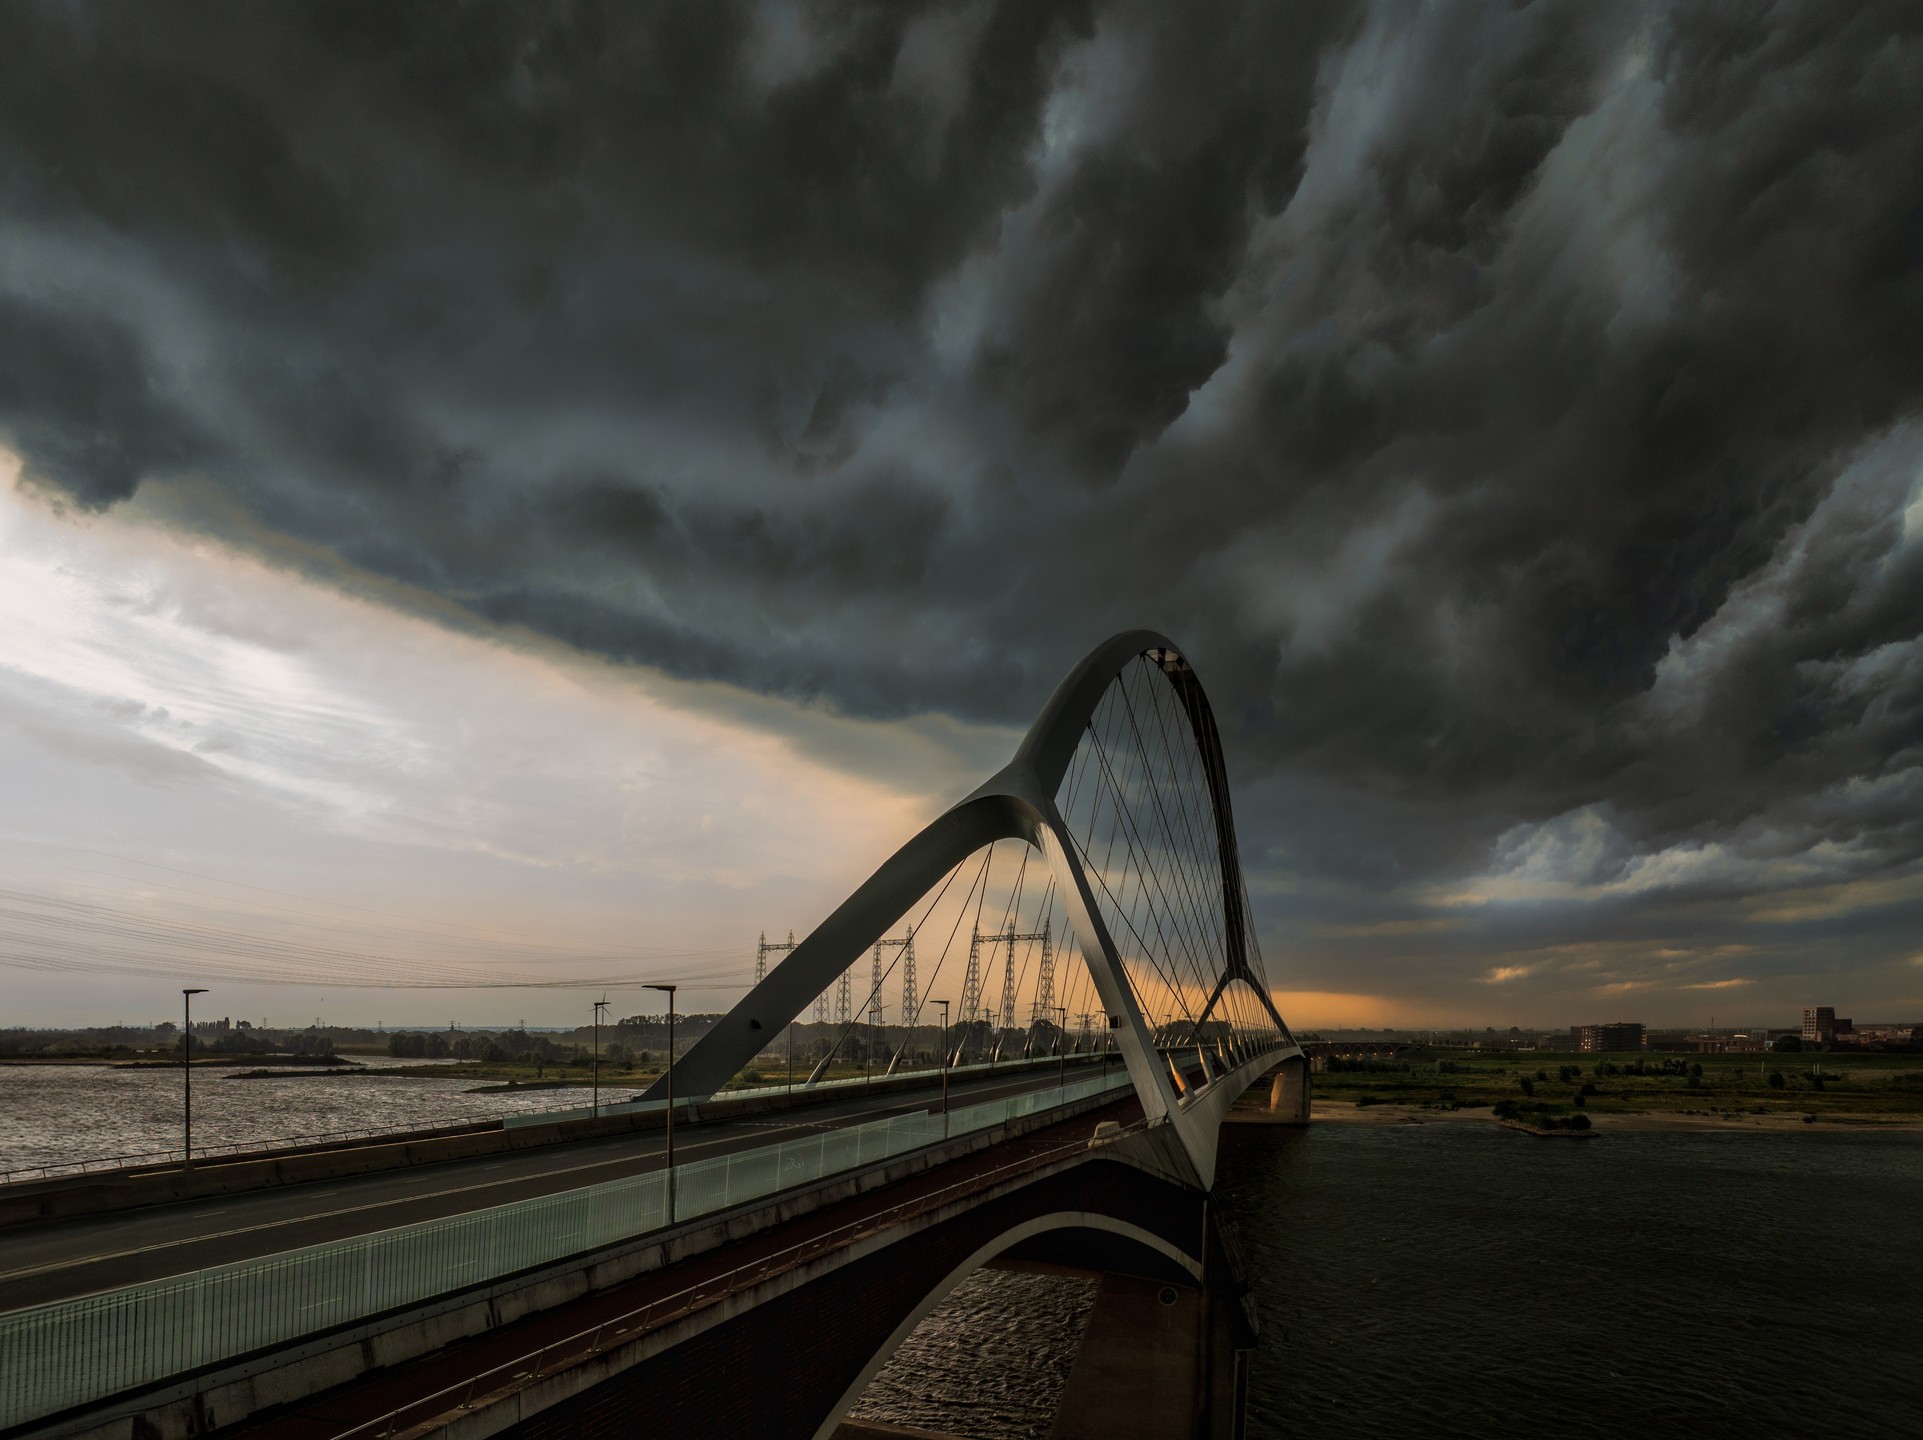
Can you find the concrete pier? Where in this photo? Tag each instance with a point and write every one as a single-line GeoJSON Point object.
{"type": "Point", "coordinates": [1290, 1093]}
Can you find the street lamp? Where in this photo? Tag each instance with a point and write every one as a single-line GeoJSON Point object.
{"type": "Point", "coordinates": [669, 990]}
{"type": "Point", "coordinates": [187, 1074]}
{"type": "Point", "coordinates": [944, 1055]}
{"type": "Point", "coordinates": [599, 1006]}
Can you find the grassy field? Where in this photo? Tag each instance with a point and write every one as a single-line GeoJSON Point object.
{"type": "Point", "coordinates": [1836, 1084]}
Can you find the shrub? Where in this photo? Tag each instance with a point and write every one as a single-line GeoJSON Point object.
{"type": "Point", "coordinates": [1776, 1081]}
{"type": "Point", "coordinates": [1788, 1044]}
{"type": "Point", "coordinates": [1588, 1088]}
{"type": "Point", "coordinates": [1528, 1086]}
{"type": "Point", "coordinates": [1579, 1098]}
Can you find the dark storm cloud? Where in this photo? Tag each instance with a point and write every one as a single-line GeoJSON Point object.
{"type": "Point", "coordinates": [1506, 404]}
{"type": "Point", "coordinates": [74, 386]}
{"type": "Point", "coordinates": [1111, 317]}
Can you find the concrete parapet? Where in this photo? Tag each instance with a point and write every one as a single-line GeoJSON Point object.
{"type": "Point", "coordinates": [65, 1197]}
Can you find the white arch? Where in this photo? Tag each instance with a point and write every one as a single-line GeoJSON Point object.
{"type": "Point", "coordinates": [1018, 802]}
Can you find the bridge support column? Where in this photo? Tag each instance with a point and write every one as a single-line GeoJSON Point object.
{"type": "Point", "coordinates": [1156, 1361]}
{"type": "Point", "coordinates": [1289, 1095]}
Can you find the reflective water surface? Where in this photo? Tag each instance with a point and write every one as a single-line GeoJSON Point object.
{"type": "Point", "coordinates": [1465, 1280]}
{"type": "Point", "coordinates": [989, 1362]}
{"type": "Point", "coordinates": [59, 1113]}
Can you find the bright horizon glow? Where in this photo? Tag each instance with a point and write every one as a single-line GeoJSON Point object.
{"type": "Point", "coordinates": [168, 701]}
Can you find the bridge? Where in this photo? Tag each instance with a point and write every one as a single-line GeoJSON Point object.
{"type": "Point", "coordinates": [736, 1260]}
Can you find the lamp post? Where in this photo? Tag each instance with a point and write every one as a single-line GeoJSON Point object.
{"type": "Point", "coordinates": [944, 1055]}
{"type": "Point", "coordinates": [669, 990]}
{"type": "Point", "coordinates": [599, 1006]}
{"type": "Point", "coordinates": [187, 1075]}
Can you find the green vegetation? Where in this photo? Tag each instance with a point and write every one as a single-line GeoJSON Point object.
{"type": "Point", "coordinates": [1539, 1116]}
{"type": "Point", "coordinates": [1534, 1087]}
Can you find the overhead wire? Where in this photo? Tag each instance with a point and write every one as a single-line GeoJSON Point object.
{"type": "Point", "coordinates": [58, 934]}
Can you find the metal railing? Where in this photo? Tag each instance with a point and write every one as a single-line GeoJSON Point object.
{"type": "Point", "coordinates": [662, 1310]}
{"type": "Point", "coordinates": [72, 1352]}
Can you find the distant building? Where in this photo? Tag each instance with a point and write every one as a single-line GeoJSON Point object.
{"type": "Point", "coordinates": [1821, 1027]}
{"type": "Point", "coordinates": [1621, 1035]}
{"type": "Point", "coordinates": [1730, 1042]}
{"type": "Point", "coordinates": [1884, 1035]}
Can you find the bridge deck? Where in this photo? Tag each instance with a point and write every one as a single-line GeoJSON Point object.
{"type": "Point", "coordinates": [750, 1260]}
{"type": "Point", "coordinates": [58, 1260]}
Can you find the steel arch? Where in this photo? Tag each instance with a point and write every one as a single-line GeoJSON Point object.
{"type": "Point", "coordinates": [1018, 803]}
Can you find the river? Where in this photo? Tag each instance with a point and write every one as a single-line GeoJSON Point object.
{"type": "Point", "coordinates": [1464, 1280]}
{"type": "Point", "coordinates": [53, 1114]}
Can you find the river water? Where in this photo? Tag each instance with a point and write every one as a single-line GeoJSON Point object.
{"type": "Point", "coordinates": [1452, 1279]}
{"type": "Point", "coordinates": [1463, 1280]}
{"type": "Point", "coordinates": [1433, 1280]}
{"type": "Point", "coordinates": [53, 1114]}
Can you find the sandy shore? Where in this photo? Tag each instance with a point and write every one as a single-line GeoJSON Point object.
{"type": "Point", "coordinates": [1342, 1112]}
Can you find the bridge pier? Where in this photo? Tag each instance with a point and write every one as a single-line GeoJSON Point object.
{"type": "Point", "coordinates": [1157, 1360]}
{"type": "Point", "coordinates": [1289, 1094]}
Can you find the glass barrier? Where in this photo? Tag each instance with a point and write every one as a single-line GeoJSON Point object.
{"type": "Point", "coordinates": [70, 1352]}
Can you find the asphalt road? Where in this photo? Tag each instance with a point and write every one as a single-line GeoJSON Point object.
{"type": "Point", "coordinates": [64, 1259]}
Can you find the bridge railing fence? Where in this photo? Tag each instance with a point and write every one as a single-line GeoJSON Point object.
{"type": "Point", "coordinates": [70, 1353]}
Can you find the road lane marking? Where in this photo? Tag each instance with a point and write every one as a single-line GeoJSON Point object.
{"type": "Point", "coordinates": [770, 1128]}
{"type": "Point", "coordinates": [814, 1127]}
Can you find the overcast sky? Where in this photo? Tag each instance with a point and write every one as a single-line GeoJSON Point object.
{"type": "Point", "coordinates": [591, 479]}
